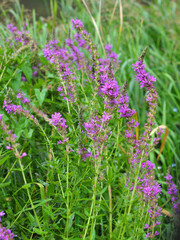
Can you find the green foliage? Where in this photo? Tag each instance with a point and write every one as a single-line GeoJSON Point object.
{"type": "Point", "coordinates": [50, 193]}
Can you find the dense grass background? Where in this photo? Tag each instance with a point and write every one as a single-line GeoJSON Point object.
{"type": "Point", "coordinates": [129, 26]}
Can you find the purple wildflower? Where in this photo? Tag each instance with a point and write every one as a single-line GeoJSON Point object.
{"type": "Point", "coordinates": [11, 108]}
{"type": "Point", "coordinates": [92, 127]}
{"type": "Point", "coordinates": [105, 117]}
{"type": "Point", "coordinates": [85, 153]}
{"type": "Point", "coordinates": [62, 142]}
{"type": "Point", "coordinates": [112, 56]}
{"type": "Point", "coordinates": [108, 47]}
{"type": "Point", "coordinates": [172, 191]}
{"type": "Point", "coordinates": [96, 130]}
{"type": "Point", "coordinates": [63, 59]}
{"type": "Point", "coordinates": [8, 146]}
{"type": "Point", "coordinates": [21, 95]}
{"type": "Point", "coordinates": [128, 134]}
{"type": "Point", "coordinates": [24, 154]}
{"type": "Point", "coordinates": [125, 111]}
{"type": "Point", "coordinates": [58, 120]}
{"type": "Point", "coordinates": [158, 223]}
{"type": "Point", "coordinates": [148, 235]}
{"type": "Point", "coordinates": [136, 124]}
{"type": "Point", "coordinates": [146, 226]}
{"type": "Point", "coordinates": [23, 78]}
{"type": "Point", "coordinates": [5, 234]}
{"type": "Point", "coordinates": [110, 88]}
{"type": "Point", "coordinates": [11, 28]}
{"type": "Point", "coordinates": [145, 79]}
{"type": "Point", "coordinates": [123, 106]}
{"type": "Point", "coordinates": [81, 42]}
{"type": "Point", "coordinates": [147, 186]}
{"type": "Point", "coordinates": [19, 36]}
{"type": "Point", "coordinates": [35, 73]}
{"type": "Point", "coordinates": [75, 55]}
{"type": "Point", "coordinates": [77, 24]}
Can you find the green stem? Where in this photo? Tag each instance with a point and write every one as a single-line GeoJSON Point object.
{"type": "Point", "coordinates": [110, 212]}
{"type": "Point", "coordinates": [141, 216]}
{"type": "Point", "coordinates": [61, 186]}
{"type": "Point", "coordinates": [132, 197]}
{"type": "Point", "coordinates": [69, 111]}
{"type": "Point", "coordinates": [29, 195]}
{"type": "Point", "coordinates": [97, 166]}
{"type": "Point", "coordinates": [110, 206]}
{"type": "Point", "coordinates": [9, 172]}
{"type": "Point", "coordinates": [67, 189]}
{"type": "Point", "coordinates": [92, 206]}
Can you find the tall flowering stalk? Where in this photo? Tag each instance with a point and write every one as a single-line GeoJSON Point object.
{"type": "Point", "coordinates": [144, 182]}
{"type": "Point", "coordinates": [22, 37]}
{"type": "Point", "coordinates": [62, 59]}
{"type": "Point", "coordinates": [19, 41]}
{"type": "Point", "coordinates": [56, 120]}
{"type": "Point", "coordinates": [11, 139]}
{"type": "Point", "coordinates": [172, 192]}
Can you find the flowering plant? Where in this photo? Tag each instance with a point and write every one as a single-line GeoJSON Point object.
{"type": "Point", "coordinates": [85, 154]}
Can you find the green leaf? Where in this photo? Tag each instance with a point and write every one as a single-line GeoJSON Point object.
{"type": "Point", "coordinates": [26, 185]}
{"type": "Point", "coordinates": [39, 232]}
{"type": "Point", "coordinates": [24, 237]}
{"type": "Point", "coordinates": [29, 133]}
{"type": "Point", "coordinates": [87, 213]}
{"type": "Point", "coordinates": [15, 83]}
{"type": "Point", "coordinates": [70, 221]}
{"type": "Point", "coordinates": [2, 160]}
{"type": "Point", "coordinates": [93, 234]}
{"type": "Point", "coordinates": [5, 184]}
{"type": "Point", "coordinates": [40, 95]}
{"type": "Point", "coordinates": [27, 70]}
{"type": "Point", "coordinates": [30, 217]}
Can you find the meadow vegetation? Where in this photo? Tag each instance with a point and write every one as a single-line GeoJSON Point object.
{"type": "Point", "coordinates": [89, 121]}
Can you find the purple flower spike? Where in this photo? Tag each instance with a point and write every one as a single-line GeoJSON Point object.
{"type": "Point", "coordinates": [21, 95]}
{"type": "Point", "coordinates": [173, 192]}
{"type": "Point", "coordinates": [77, 24]}
{"type": "Point", "coordinates": [145, 79]}
{"type": "Point", "coordinates": [57, 120]}
{"type": "Point", "coordinates": [108, 47]}
{"type": "Point", "coordinates": [84, 153]}
{"type": "Point", "coordinates": [11, 28]}
{"type": "Point", "coordinates": [106, 117]}
{"type": "Point", "coordinates": [18, 36]}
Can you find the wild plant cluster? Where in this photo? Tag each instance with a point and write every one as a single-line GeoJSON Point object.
{"type": "Point", "coordinates": [76, 164]}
